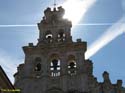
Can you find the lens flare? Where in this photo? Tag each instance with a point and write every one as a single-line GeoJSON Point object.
{"type": "Point", "coordinates": [76, 9]}
{"type": "Point", "coordinates": [113, 32]}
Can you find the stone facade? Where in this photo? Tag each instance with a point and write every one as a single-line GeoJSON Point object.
{"type": "Point", "coordinates": [57, 64]}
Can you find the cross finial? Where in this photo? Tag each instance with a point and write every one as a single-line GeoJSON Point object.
{"type": "Point", "coordinates": [54, 3]}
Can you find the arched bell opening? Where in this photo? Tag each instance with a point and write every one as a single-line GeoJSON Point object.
{"type": "Point", "coordinates": [72, 65]}
{"type": "Point", "coordinates": [61, 36]}
{"type": "Point", "coordinates": [37, 64]}
{"type": "Point", "coordinates": [55, 66]}
{"type": "Point", "coordinates": [49, 36]}
{"type": "Point", "coordinates": [38, 67]}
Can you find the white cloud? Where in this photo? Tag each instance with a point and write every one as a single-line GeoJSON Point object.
{"type": "Point", "coordinates": [9, 64]}
{"type": "Point", "coordinates": [114, 31]}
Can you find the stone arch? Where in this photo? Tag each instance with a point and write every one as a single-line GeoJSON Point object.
{"type": "Point", "coordinates": [55, 90]}
{"type": "Point", "coordinates": [38, 59]}
{"type": "Point", "coordinates": [71, 57]}
{"type": "Point", "coordinates": [61, 35]}
{"type": "Point", "coordinates": [54, 65]}
{"type": "Point", "coordinates": [72, 65]}
{"type": "Point", "coordinates": [48, 36]}
{"type": "Point", "coordinates": [37, 62]}
{"type": "Point", "coordinates": [54, 56]}
{"type": "Point", "coordinates": [73, 91]}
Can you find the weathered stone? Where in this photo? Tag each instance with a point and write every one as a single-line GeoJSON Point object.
{"type": "Point", "coordinates": [57, 64]}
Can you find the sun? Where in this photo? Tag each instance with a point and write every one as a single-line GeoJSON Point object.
{"type": "Point", "coordinates": [73, 10]}
{"type": "Point", "coordinates": [76, 9]}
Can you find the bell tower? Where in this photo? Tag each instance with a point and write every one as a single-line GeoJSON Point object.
{"type": "Point", "coordinates": [53, 28]}
{"type": "Point", "coordinates": [57, 64]}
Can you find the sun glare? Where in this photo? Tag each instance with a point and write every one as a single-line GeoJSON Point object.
{"type": "Point", "coordinates": [75, 9]}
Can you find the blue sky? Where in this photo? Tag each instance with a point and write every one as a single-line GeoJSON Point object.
{"type": "Point", "coordinates": [110, 57]}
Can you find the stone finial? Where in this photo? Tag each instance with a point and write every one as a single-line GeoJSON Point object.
{"type": "Point", "coordinates": [119, 83]}
{"type": "Point", "coordinates": [119, 86]}
{"type": "Point", "coordinates": [47, 10]}
{"type": "Point", "coordinates": [61, 11]}
{"type": "Point", "coordinates": [106, 76]}
{"type": "Point", "coordinates": [31, 45]}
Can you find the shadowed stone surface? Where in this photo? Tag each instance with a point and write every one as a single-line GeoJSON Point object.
{"type": "Point", "coordinates": [57, 64]}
